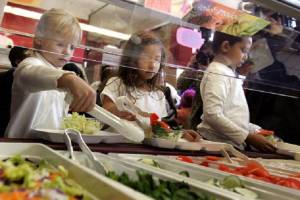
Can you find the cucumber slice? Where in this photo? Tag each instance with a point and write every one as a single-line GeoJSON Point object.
{"type": "Point", "coordinates": [246, 193]}
{"type": "Point", "coordinates": [231, 182]}
{"type": "Point", "coordinates": [214, 182]}
{"type": "Point", "coordinates": [150, 162]}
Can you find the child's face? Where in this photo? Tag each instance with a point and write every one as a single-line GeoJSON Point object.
{"type": "Point", "coordinates": [149, 61]}
{"type": "Point", "coordinates": [57, 52]}
{"type": "Point", "coordinates": [238, 53]}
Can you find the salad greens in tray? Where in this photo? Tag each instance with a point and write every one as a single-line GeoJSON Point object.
{"type": "Point", "coordinates": [159, 189]}
{"type": "Point", "coordinates": [23, 179]}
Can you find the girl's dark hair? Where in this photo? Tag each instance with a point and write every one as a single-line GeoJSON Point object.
{"type": "Point", "coordinates": [220, 37]}
{"type": "Point", "coordinates": [74, 68]}
{"type": "Point", "coordinates": [16, 55]}
{"type": "Point", "coordinates": [128, 71]}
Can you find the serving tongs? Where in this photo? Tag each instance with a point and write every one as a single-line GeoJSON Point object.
{"type": "Point", "coordinates": [71, 135]}
{"type": "Point", "coordinates": [227, 150]}
{"type": "Point", "coordinates": [124, 104]}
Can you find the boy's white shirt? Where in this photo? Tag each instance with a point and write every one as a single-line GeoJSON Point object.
{"type": "Point", "coordinates": [225, 110]}
{"type": "Point", "coordinates": [152, 102]}
{"type": "Point", "coordinates": [36, 101]}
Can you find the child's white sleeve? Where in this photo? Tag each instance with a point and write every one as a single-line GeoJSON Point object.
{"type": "Point", "coordinates": [33, 76]}
{"type": "Point", "coordinates": [112, 89]}
{"type": "Point", "coordinates": [253, 128]}
{"type": "Point", "coordinates": [213, 95]}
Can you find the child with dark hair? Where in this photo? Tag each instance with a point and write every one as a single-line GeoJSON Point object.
{"type": "Point", "coordinates": [225, 111]}
{"type": "Point", "coordinates": [185, 107]}
{"type": "Point", "coordinates": [16, 55]}
{"type": "Point", "coordinates": [74, 68]}
{"type": "Point", "coordinates": [139, 79]}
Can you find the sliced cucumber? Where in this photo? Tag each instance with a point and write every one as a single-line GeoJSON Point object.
{"type": "Point", "coordinates": [214, 182]}
{"type": "Point", "coordinates": [246, 193]}
{"type": "Point", "coordinates": [231, 182]}
{"type": "Point", "coordinates": [150, 162]}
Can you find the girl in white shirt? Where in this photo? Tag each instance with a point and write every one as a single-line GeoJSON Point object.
{"type": "Point", "coordinates": [139, 79]}
{"type": "Point", "coordinates": [39, 82]}
{"type": "Point", "coordinates": [225, 110]}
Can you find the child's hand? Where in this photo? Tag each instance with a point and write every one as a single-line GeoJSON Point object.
{"type": "Point", "coordinates": [126, 115]}
{"type": "Point", "coordinates": [84, 97]}
{"type": "Point", "coordinates": [191, 135]}
{"type": "Point", "coordinates": [260, 143]}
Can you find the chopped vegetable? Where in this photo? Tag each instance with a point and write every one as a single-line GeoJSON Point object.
{"type": "Point", "coordinates": [22, 179]}
{"type": "Point", "coordinates": [159, 189]}
{"type": "Point", "coordinates": [149, 161]}
{"type": "Point", "coordinates": [231, 182]}
{"type": "Point", "coordinates": [255, 171]}
{"type": "Point", "coordinates": [234, 184]}
{"type": "Point", "coordinates": [245, 192]}
{"type": "Point", "coordinates": [161, 129]}
{"type": "Point", "coordinates": [184, 173]}
{"type": "Point", "coordinates": [81, 123]}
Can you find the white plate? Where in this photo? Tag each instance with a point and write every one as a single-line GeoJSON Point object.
{"type": "Point", "coordinates": [101, 137]}
{"type": "Point", "coordinates": [288, 146]}
{"type": "Point", "coordinates": [168, 144]}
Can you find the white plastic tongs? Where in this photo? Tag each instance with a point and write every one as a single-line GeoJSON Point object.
{"type": "Point", "coordinates": [126, 128]}
{"type": "Point", "coordinates": [124, 104]}
{"type": "Point", "coordinates": [225, 149]}
{"type": "Point", "coordinates": [72, 134]}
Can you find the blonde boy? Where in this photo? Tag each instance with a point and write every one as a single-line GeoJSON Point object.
{"type": "Point", "coordinates": [39, 85]}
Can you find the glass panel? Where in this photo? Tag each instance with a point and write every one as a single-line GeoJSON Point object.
{"type": "Point", "coordinates": [271, 68]}
{"type": "Point", "coordinates": [107, 25]}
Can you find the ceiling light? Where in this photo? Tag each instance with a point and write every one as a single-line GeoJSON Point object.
{"type": "Point", "coordinates": [85, 27]}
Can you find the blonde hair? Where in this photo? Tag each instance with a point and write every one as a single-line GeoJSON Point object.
{"type": "Point", "coordinates": [58, 23]}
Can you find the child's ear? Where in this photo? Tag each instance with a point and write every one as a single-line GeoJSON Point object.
{"type": "Point", "coordinates": [225, 46]}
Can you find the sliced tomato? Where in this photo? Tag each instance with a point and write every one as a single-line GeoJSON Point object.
{"type": "Point", "coordinates": [265, 132]}
{"type": "Point", "coordinates": [223, 167]}
{"type": "Point", "coordinates": [153, 118]}
{"type": "Point", "coordinates": [212, 158]}
{"type": "Point", "coordinates": [185, 159]}
{"type": "Point", "coordinates": [205, 164]}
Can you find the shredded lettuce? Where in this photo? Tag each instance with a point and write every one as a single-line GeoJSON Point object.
{"type": "Point", "coordinates": [81, 123]}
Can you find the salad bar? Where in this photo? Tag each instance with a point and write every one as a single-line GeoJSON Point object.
{"type": "Point", "coordinates": [168, 166]}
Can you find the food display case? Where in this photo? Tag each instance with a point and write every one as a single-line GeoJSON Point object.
{"type": "Point", "coordinates": [156, 166]}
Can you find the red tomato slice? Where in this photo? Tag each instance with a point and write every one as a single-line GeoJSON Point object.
{"type": "Point", "coordinates": [212, 158]}
{"type": "Point", "coordinates": [185, 159]}
{"type": "Point", "coordinates": [205, 164]}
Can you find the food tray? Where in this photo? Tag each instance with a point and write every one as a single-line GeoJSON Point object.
{"type": "Point", "coordinates": [200, 173]}
{"type": "Point", "coordinates": [119, 166]}
{"type": "Point", "coordinates": [100, 137]}
{"type": "Point", "coordinates": [288, 149]}
{"type": "Point", "coordinates": [97, 185]}
{"type": "Point", "coordinates": [183, 145]}
{"type": "Point", "coordinates": [290, 165]}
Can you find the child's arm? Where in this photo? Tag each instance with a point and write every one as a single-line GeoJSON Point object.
{"type": "Point", "coordinates": [260, 143]}
{"type": "Point", "coordinates": [109, 105]}
{"type": "Point", "coordinates": [33, 76]}
{"type": "Point", "coordinates": [84, 97]}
